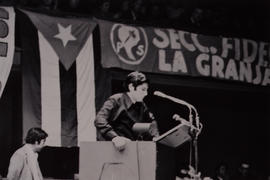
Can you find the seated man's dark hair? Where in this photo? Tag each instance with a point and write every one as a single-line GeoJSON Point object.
{"type": "Point", "coordinates": [35, 134]}
{"type": "Point", "coordinates": [135, 78]}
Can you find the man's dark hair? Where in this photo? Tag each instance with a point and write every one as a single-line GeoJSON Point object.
{"type": "Point", "coordinates": [35, 134]}
{"type": "Point", "coordinates": [135, 78]}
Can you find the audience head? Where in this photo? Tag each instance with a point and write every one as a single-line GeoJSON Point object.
{"type": "Point", "coordinates": [36, 137]}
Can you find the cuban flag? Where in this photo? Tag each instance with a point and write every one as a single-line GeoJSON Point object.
{"type": "Point", "coordinates": [58, 77]}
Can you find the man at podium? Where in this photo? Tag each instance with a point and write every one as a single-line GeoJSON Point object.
{"type": "Point", "coordinates": [121, 113]}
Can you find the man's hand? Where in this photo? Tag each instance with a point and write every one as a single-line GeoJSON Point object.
{"type": "Point", "coordinates": [153, 129]}
{"type": "Point", "coordinates": [120, 142]}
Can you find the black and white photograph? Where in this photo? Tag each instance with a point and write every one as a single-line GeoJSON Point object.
{"type": "Point", "coordinates": [134, 90]}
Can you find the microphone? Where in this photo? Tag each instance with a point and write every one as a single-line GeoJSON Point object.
{"type": "Point", "coordinates": [179, 101]}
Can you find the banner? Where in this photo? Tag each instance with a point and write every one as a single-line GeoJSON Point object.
{"type": "Point", "coordinates": [171, 51]}
{"type": "Point", "coordinates": [58, 78]}
{"type": "Point", "coordinates": [7, 27]}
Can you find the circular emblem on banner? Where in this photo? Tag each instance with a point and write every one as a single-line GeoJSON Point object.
{"type": "Point", "coordinates": [129, 43]}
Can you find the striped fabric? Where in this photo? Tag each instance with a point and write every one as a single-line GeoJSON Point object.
{"type": "Point", "coordinates": [58, 78]}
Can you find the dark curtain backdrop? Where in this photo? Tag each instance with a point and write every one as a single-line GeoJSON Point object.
{"type": "Point", "coordinates": [236, 126]}
{"type": "Point", "coordinates": [10, 120]}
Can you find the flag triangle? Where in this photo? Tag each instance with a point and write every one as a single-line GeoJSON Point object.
{"type": "Point", "coordinates": [67, 36]}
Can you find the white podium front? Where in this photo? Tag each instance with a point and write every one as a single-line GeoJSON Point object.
{"type": "Point", "coordinates": [101, 161]}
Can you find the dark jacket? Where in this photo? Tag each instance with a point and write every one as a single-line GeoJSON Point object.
{"type": "Point", "coordinates": [118, 115]}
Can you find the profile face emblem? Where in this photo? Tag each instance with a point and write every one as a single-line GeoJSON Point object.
{"type": "Point", "coordinates": [129, 43]}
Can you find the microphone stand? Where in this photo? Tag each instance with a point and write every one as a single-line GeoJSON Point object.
{"type": "Point", "coordinates": [195, 140]}
{"type": "Point", "coordinates": [195, 130]}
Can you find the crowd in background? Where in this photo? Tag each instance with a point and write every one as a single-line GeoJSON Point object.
{"type": "Point", "coordinates": [241, 19]}
{"type": "Point", "coordinates": [223, 171]}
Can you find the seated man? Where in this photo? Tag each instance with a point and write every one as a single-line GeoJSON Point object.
{"type": "Point", "coordinates": [23, 163]}
{"type": "Point", "coordinates": [121, 111]}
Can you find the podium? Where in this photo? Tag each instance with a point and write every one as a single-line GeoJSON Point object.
{"type": "Point", "coordinates": [175, 136]}
{"type": "Point", "coordinates": [101, 161]}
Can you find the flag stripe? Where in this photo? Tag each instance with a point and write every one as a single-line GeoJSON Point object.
{"type": "Point", "coordinates": [68, 105]}
{"type": "Point", "coordinates": [86, 93]}
{"type": "Point", "coordinates": [31, 75]}
{"type": "Point", "coordinates": [50, 92]}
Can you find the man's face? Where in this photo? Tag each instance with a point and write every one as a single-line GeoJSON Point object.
{"type": "Point", "coordinates": [140, 92]}
{"type": "Point", "coordinates": [39, 146]}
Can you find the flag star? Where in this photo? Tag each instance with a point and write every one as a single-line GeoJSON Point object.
{"type": "Point", "coordinates": [64, 34]}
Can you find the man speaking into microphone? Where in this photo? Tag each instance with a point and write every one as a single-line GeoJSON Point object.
{"type": "Point", "coordinates": [117, 120]}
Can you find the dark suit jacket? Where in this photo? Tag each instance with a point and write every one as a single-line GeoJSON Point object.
{"type": "Point", "coordinates": [118, 115]}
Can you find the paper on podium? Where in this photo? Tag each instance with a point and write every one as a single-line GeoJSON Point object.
{"type": "Point", "coordinates": [101, 161]}
{"type": "Point", "coordinates": [175, 136]}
